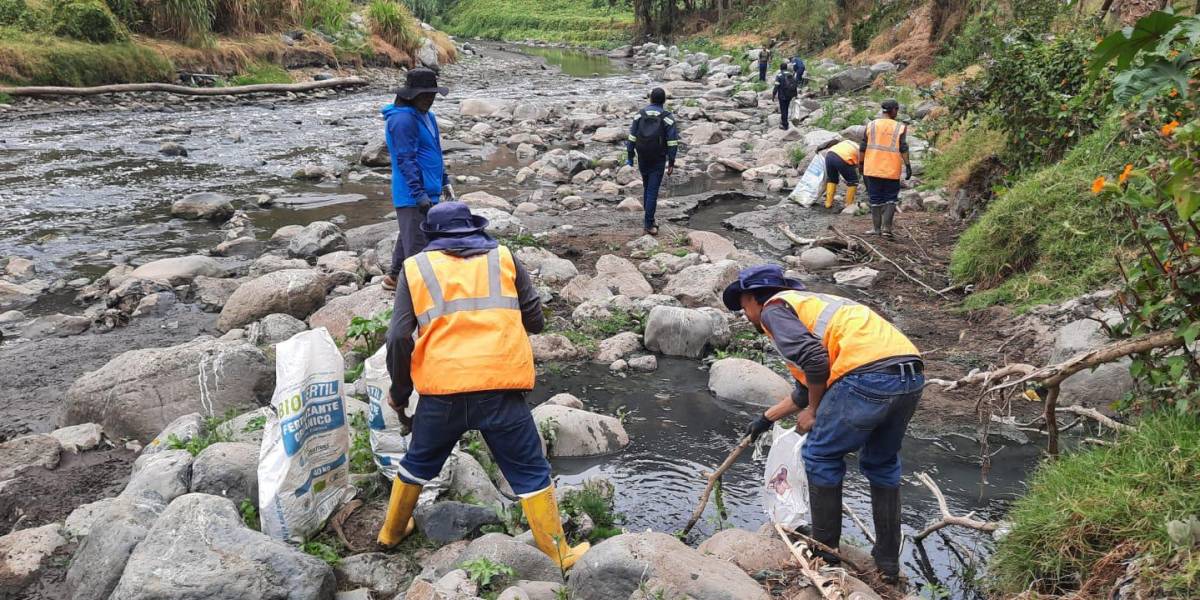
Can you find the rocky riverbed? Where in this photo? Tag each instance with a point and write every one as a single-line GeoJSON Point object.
{"type": "Point", "coordinates": [155, 250]}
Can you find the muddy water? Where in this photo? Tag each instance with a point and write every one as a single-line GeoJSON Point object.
{"type": "Point", "coordinates": [83, 189]}
{"type": "Point", "coordinates": [574, 63]}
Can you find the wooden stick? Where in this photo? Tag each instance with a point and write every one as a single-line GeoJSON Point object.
{"type": "Point", "coordinates": [828, 587]}
{"type": "Point", "coordinates": [1095, 415]}
{"type": "Point", "coordinates": [712, 480]}
{"type": "Point", "coordinates": [1053, 375]}
{"type": "Point", "coordinates": [857, 521]}
{"type": "Point", "coordinates": [893, 263]}
{"type": "Point", "coordinates": [948, 518]}
{"type": "Point", "coordinates": [183, 90]}
{"type": "Point", "coordinates": [812, 542]}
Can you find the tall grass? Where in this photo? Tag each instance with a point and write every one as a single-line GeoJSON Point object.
{"type": "Point", "coordinates": [393, 22]}
{"type": "Point", "coordinates": [1080, 508]}
{"type": "Point", "coordinates": [42, 59]}
{"type": "Point", "coordinates": [262, 73]}
{"type": "Point", "coordinates": [574, 21]}
{"type": "Point", "coordinates": [188, 21]}
{"type": "Point", "coordinates": [243, 17]}
{"type": "Point", "coordinates": [1046, 238]}
{"type": "Point", "coordinates": [327, 16]}
{"type": "Point", "coordinates": [809, 22]}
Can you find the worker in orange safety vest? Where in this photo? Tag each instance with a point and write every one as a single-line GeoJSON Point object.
{"type": "Point", "coordinates": [858, 381]}
{"type": "Point", "coordinates": [472, 306]}
{"type": "Point", "coordinates": [885, 160]}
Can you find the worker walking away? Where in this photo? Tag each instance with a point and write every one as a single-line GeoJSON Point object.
{"type": "Point", "coordinates": [785, 90]}
{"type": "Point", "coordinates": [418, 167]}
{"type": "Point", "coordinates": [885, 160]}
{"type": "Point", "coordinates": [472, 305]}
{"type": "Point", "coordinates": [841, 162]}
{"type": "Point", "coordinates": [798, 68]}
{"type": "Point", "coordinates": [858, 381]}
{"type": "Point", "coordinates": [654, 141]}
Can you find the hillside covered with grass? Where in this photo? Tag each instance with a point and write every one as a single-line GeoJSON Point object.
{"type": "Point", "coordinates": [571, 21]}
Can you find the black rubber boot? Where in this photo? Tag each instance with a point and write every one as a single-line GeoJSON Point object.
{"type": "Point", "coordinates": [889, 215]}
{"type": "Point", "coordinates": [876, 219]}
{"type": "Point", "coordinates": [885, 507]}
{"type": "Point", "coordinates": [826, 506]}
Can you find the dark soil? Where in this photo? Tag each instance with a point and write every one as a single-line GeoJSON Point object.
{"type": "Point", "coordinates": [41, 496]}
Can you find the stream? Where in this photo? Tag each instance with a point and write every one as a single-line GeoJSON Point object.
{"type": "Point", "coordinates": [84, 189]}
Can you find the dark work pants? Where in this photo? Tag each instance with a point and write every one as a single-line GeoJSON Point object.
{"type": "Point", "coordinates": [836, 170]}
{"type": "Point", "coordinates": [762, 71]}
{"type": "Point", "coordinates": [507, 427]}
{"type": "Point", "coordinates": [652, 178]}
{"type": "Point", "coordinates": [411, 240]}
{"type": "Point", "coordinates": [785, 106]}
{"type": "Point", "coordinates": [882, 191]}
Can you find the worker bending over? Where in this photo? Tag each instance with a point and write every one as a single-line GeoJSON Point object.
{"type": "Point", "coordinates": [841, 162]}
{"type": "Point", "coordinates": [858, 381]}
{"type": "Point", "coordinates": [885, 159]}
{"type": "Point", "coordinates": [472, 305]}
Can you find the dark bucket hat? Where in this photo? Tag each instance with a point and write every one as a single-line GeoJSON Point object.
{"type": "Point", "coordinates": [452, 218]}
{"type": "Point", "coordinates": [420, 81]}
{"type": "Point", "coordinates": [890, 104]}
{"type": "Point", "coordinates": [762, 277]}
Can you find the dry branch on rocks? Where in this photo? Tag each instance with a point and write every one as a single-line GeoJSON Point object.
{"type": "Point", "coordinates": [949, 518]}
{"type": "Point", "coordinates": [183, 90]}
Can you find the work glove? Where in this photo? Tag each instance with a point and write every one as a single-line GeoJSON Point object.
{"type": "Point", "coordinates": [907, 172]}
{"type": "Point", "coordinates": [670, 170]}
{"type": "Point", "coordinates": [424, 205]}
{"type": "Point", "coordinates": [400, 408]}
{"type": "Point", "coordinates": [758, 427]}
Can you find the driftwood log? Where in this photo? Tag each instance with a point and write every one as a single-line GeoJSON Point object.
{"type": "Point", "coordinates": [275, 88]}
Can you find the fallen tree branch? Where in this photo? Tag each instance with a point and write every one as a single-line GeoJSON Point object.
{"type": "Point", "coordinates": [183, 90]}
{"type": "Point", "coordinates": [837, 244]}
{"type": "Point", "coordinates": [892, 262]}
{"type": "Point", "coordinates": [712, 481]}
{"type": "Point", "coordinates": [339, 520]}
{"type": "Point", "coordinates": [947, 517]}
{"type": "Point", "coordinates": [829, 588]}
{"type": "Point", "coordinates": [982, 377]}
{"type": "Point", "coordinates": [1095, 415]}
{"type": "Point", "coordinates": [858, 521]}
{"type": "Point", "coordinates": [1053, 375]}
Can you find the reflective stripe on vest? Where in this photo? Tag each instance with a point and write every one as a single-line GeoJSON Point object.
{"type": "Point", "coordinates": [847, 150]}
{"type": "Point", "coordinates": [852, 334]}
{"type": "Point", "coordinates": [882, 158]}
{"type": "Point", "coordinates": [471, 337]}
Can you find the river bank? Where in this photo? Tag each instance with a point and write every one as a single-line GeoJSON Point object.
{"type": "Point", "coordinates": [540, 154]}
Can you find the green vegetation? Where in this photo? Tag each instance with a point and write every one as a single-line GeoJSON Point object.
{"type": "Point", "coordinates": [1046, 238]}
{"type": "Point", "coordinates": [472, 443]}
{"type": "Point", "coordinates": [963, 149]}
{"type": "Point", "coordinates": [324, 549]}
{"type": "Point", "coordinates": [87, 20]}
{"type": "Point", "coordinates": [262, 73]}
{"type": "Point", "coordinates": [5, 99]}
{"type": "Point", "coordinates": [488, 574]}
{"type": "Point", "coordinates": [573, 21]}
{"type": "Point", "coordinates": [210, 433]}
{"type": "Point", "coordinates": [989, 25]}
{"type": "Point", "coordinates": [42, 59]}
{"type": "Point", "coordinates": [249, 512]}
{"type": "Point", "coordinates": [796, 155]}
{"type": "Point", "coordinates": [368, 335]}
{"type": "Point", "coordinates": [882, 15]}
{"type": "Point", "coordinates": [362, 458]}
{"type": "Point", "coordinates": [1105, 504]}
{"type": "Point", "coordinates": [393, 22]}
{"type": "Point", "coordinates": [595, 499]}
{"type": "Point", "coordinates": [255, 424]}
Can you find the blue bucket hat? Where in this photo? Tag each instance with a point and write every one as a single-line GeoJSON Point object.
{"type": "Point", "coordinates": [452, 218]}
{"type": "Point", "coordinates": [762, 277]}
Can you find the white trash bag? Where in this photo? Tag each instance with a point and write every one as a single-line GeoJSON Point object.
{"type": "Point", "coordinates": [812, 183]}
{"type": "Point", "coordinates": [303, 466]}
{"type": "Point", "coordinates": [388, 444]}
{"type": "Point", "coordinates": [785, 486]}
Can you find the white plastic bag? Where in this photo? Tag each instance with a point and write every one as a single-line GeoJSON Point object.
{"type": "Point", "coordinates": [785, 486]}
{"type": "Point", "coordinates": [812, 183]}
{"type": "Point", "coordinates": [303, 467]}
{"type": "Point", "coordinates": [388, 444]}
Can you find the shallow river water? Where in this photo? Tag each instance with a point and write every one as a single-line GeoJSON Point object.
{"type": "Point", "coordinates": [82, 189]}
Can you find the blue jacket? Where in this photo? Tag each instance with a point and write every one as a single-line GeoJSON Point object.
{"type": "Point", "coordinates": [413, 140]}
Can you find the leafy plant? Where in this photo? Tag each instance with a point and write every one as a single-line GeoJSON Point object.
{"type": "Point", "coordinates": [5, 98]}
{"type": "Point", "coordinates": [249, 512]}
{"type": "Point", "coordinates": [549, 430]}
{"type": "Point", "coordinates": [522, 240]}
{"type": "Point", "coordinates": [323, 551]}
{"type": "Point", "coordinates": [595, 499]}
{"type": "Point", "coordinates": [327, 16]}
{"type": "Point", "coordinates": [362, 458]}
{"type": "Point", "coordinates": [485, 572]}
{"type": "Point", "coordinates": [473, 444]}
{"type": "Point", "coordinates": [368, 334]}
{"type": "Point", "coordinates": [255, 424]}
{"type": "Point", "coordinates": [797, 155]}
{"type": "Point", "coordinates": [210, 433]}
{"type": "Point", "coordinates": [87, 20]}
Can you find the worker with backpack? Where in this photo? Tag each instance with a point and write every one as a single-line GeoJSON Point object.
{"type": "Point", "coordinates": [654, 141]}
{"type": "Point", "coordinates": [786, 90]}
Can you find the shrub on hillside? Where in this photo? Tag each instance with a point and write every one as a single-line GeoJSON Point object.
{"type": "Point", "coordinates": [129, 12]}
{"type": "Point", "coordinates": [241, 17]}
{"type": "Point", "coordinates": [811, 22]}
{"type": "Point", "coordinates": [393, 22]}
{"type": "Point", "coordinates": [188, 21]}
{"type": "Point", "coordinates": [87, 20]}
{"type": "Point", "coordinates": [327, 16]}
{"type": "Point", "coordinates": [11, 12]}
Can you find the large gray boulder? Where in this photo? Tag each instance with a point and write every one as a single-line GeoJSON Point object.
{"type": "Point", "coordinates": [621, 277]}
{"type": "Point", "coordinates": [228, 469]}
{"type": "Point", "coordinates": [14, 296]}
{"type": "Point", "coordinates": [375, 153]}
{"type": "Point", "coordinates": [701, 285]}
{"type": "Point", "coordinates": [742, 380]}
{"type": "Point", "coordinates": [678, 331]}
{"type": "Point", "coordinates": [753, 552]}
{"type": "Point", "coordinates": [207, 206]}
{"type": "Point", "coordinates": [199, 549]}
{"type": "Point", "coordinates": [618, 346]}
{"type": "Point", "coordinates": [468, 479]}
{"type": "Point", "coordinates": [1099, 387]}
{"type": "Point", "coordinates": [101, 557]}
{"type": "Point", "coordinates": [211, 293]}
{"type": "Point", "coordinates": [445, 522]}
{"type": "Point", "coordinates": [272, 329]}
{"type": "Point", "coordinates": [161, 477]}
{"type": "Point", "coordinates": [527, 562]}
{"type": "Point", "coordinates": [28, 452]}
{"type": "Point", "coordinates": [22, 554]}
{"type": "Point", "coordinates": [619, 566]}
{"type": "Point", "coordinates": [855, 78]}
{"type": "Point", "coordinates": [546, 265]}
{"type": "Point", "coordinates": [579, 432]}
{"type": "Point", "coordinates": [317, 238]}
{"type": "Point", "coordinates": [368, 236]}
{"type": "Point", "coordinates": [179, 270]}
{"type": "Point", "coordinates": [139, 392]}
{"type": "Point", "coordinates": [295, 292]}
{"type": "Point", "coordinates": [385, 575]}
{"type": "Point", "coordinates": [337, 314]}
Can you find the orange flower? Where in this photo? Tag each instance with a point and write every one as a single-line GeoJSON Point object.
{"type": "Point", "coordinates": [1167, 266]}
{"type": "Point", "coordinates": [1098, 185]}
{"type": "Point", "coordinates": [1169, 128]}
{"type": "Point", "coordinates": [1174, 93]}
{"type": "Point", "coordinates": [1125, 174]}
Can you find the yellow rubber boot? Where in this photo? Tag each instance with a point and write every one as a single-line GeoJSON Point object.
{"type": "Point", "coordinates": [830, 190]}
{"type": "Point", "coordinates": [541, 510]}
{"type": "Point", "coordinates": [850, 192]}
{"type": "Point", "coordinates": [398, 523]}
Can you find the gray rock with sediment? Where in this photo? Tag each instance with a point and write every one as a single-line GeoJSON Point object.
{"type": "Point", "coordinates": [336, 315]}
{"type": "Point", "coordinates": [23, 554]}
{"type": "Point", "coordinates": [1099, 387]}
{"type": "Point", "coordinates": [701, 285]}
{"type": "Point", "coordinates": [136, 394]}
{"type": "Point", "coordinates": [385, 575]}
{"type": "Point", "coordinates": [317, 238]}
{"type": "Point", "coordinates": [752, 552]}
{"type": "Point", "coordinates": [272, 329]}
{"type": "Point", "coordinates": [445, 522]}
{"type": "Point", "coordinates": [296, 292]}
{"type": "Point", "coordinates": [743, 380]}
{"type": "Point", "coordinates": [199, 549]}
{"type": "Point", "coordinates": [101, 558]}
{"type": "Point", "coordinates": [228, 469]}
{"type": "Point", "coordinates": [161, 477]}
{"type": "Point", "coordinates": [579, 432]}
{"type": "Point", "coordinates": [204, 206]}
{"type": "Point", "coordinates": [527, 562]}
{"type": "Point", "coordinates": [678, 331]}
{"type": "Point", "coordinates": [179, 270]}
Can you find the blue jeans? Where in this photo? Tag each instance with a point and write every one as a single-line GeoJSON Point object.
{"type": "Point", "coordinates": [762, 71]}
{"type": "Point", "coordinates": [867, 411]}
{"type": "Point", "coordinates": [652, 178]}
{"type": "Point", "coordinates": [505, 422]}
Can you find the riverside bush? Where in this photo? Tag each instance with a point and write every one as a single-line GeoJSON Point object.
{"type": "Point", "coordinates": [188, 21]}
{"type": "Point", "coordinates": [393, 22]}
{"type": "Point", "coordinates": [42, 59]}
{"type": "Point", "coordinates": [87, 20]}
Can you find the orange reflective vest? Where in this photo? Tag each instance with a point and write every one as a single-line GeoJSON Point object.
{"type": "Point", "coordinates": [853, 334]}
{"type": "Point", "coordinates": [470, 337]}
{"type": "Point", "coordinates": [847, 150]}
{"type": "Point", "coordinates": [883, 158]}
